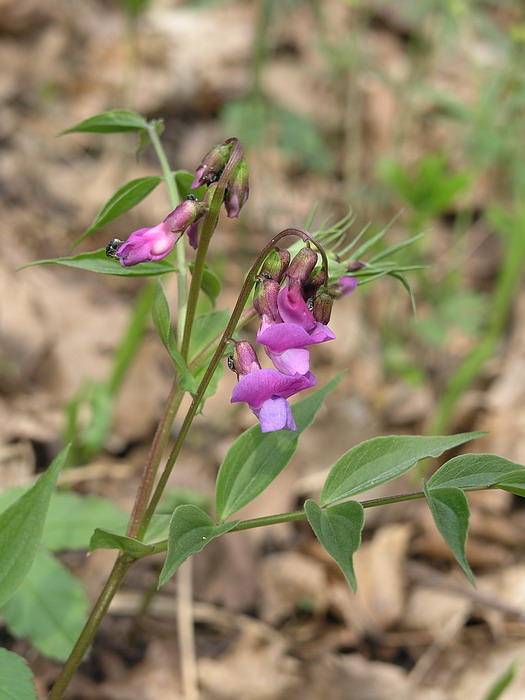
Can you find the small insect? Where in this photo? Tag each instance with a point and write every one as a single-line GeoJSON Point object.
{"type": "Point", "coordinates": [310, 303]}
{"type": "Point", "coordinates": [231, 363]}
{"type": "Point", "coordinates": [192, 198]}
{"type": "Point", "coordinates": [113, 246]}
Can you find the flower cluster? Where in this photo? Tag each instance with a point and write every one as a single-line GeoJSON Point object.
{"type": "Point", "coordinates": [154, 243]}
{"type": "Point", "coordinates": [294, 312]}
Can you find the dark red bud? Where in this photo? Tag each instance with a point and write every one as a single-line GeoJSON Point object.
{"type": "Point", "coordinates": [302, 265]}
{"type": "Point", "coordinates": [322, 307]}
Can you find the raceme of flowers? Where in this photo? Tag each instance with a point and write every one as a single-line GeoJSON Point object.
{"type": "Point", "coordinates": [151, 244]}
{"type": "Point", "coordinates": [294, 315]}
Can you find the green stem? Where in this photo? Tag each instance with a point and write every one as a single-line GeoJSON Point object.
{"type": "Point", "coordinates": [208, 226]}
{"type": "Point", "coordinates": [159, 444]}
{"type": "Point", "coordinates": [228, 332]}
{"type": "Point", "coordinates": [175, 201]}
{"type": "Point", "coordinates": [295, 515]}
{"type": "Point", "coordinates": [86, 636]}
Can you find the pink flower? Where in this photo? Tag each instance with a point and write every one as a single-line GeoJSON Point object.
{"type": "Point", "coordinates": [266, 390]}
{"type": "Point", "coordinates": [346, 285]}
{"type": "Point", "coordinates": [150, 244]}
{"type": "Point", "coordinates": [146, 245]}
{"type": "Point", "coordinates": [286, 336]}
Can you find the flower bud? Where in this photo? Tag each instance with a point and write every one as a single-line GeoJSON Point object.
{"type": "Point", "coordinates": [184, 215]}
{"type": "Point", "coordinates": [265, 300]}
{"type": "Point", "coordinates": [245, 358]}
{"type": "Point", "coordinates": [322, 307]}
{"type": "Point", "coordinates": [355, 265]}
{"type": "Point", "coordinates": [212, 165]}
{"type": "Point", "coordinates": [346, 285]}
{"type": "Point", "coordinates": [302, 265]}
{"type": "Point", "coordinates": [316, 280]}
{"type": "Point", "coordinates": [276, 264]}
{"type": "Point", "coordinates": [238, 190]}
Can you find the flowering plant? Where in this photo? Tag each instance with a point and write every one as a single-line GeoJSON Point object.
{"type": "Point", "coordinates": [295, 289]}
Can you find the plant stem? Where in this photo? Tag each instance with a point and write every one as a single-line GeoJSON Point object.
{"type": "Point", "coordinates": [160, 441]}
{"type": "Point", "coordinates": [182, 267]}
{"type": "Point", "coordinates": [86, 636]}
{"type": "Point", "coordinates": [208, 226]}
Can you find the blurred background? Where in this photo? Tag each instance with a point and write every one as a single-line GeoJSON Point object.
{"type": "Point", "coordinates": [409, 113]}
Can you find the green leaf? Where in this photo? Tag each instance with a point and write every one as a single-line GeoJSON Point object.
{"type": "Point", "coordinates": [381, 459]}
{"type": "Point", "coordinates": [110, 122]}
{"type": "Point", "coordinates": [338, 529]}
{"type": "Point", "coordinates": [162, 321]}
{"type": "Point", "coordinates": [16, 678]}
{"type": "Point", "coordinates": [450, 510]}
{"type": "Point", "coordinates": [513, 482]}
{"type": "Point", "coordinates": [72, 519]}
{"type": "Point", "coordinates": [183, 180]}
{"type": "Point", "coordinates": [97, 261]}
{"type": "Point", "coordinates": [21, 527]}
{"type": "Point", "coordinates": [122, 201]}
{"type": "Point", "coordinates": [206, 328]}
{"type": "Point", "coordinates": [190, 531]}
{"type": "Point", "coordinates": [104, 539]}
{"type": "Point", "coordinates": [210, 284]}
{"type": "Point", "coordinates": [50, 607]}
{"type": "Point", "coordinates": [256, 458]}
{"type": "Point", "coordinates": [472, 470]}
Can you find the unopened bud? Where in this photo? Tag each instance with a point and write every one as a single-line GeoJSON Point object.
{"type": "Point", "coordinates": [316, 280]}
{"type": "Point", "coordinates": [276, 264]}
{"type": "Point", "coordinates": [302, 265]}
{"type": "Point", "coordinates": [244, 358]}
{"type": "Point", "coordinates": [212, 165]}
{"type": "Point", "coordinates": [184, 215]}
{"type": "Point", "coordinates": [238, 190]}
{"type": "Point", "coordinates": [265, 300]}
{"type": "Point", "coordinates": [323, 307]}
{"type": "Point", "coordinates": [355, 265]}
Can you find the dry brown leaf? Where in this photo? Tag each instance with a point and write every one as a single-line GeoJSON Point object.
{"type": "Point", "coordinates": [288, 577]}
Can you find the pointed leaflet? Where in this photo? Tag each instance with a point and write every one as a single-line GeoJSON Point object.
{"type": "Point", "coordinates": [450, 510]}
{"type": "Point", "coordinates": [381, 459]}
{"type": "Point", "coordinates": [97, 261]}
{"type": "Point", "coordinates": [50, 607]}
{"type": "Point", "coordinates": [190, 531]}
{"type": "Point", "coordinates": [255, 458]}
{"type": "Point", "coordinates": [110, 122]}
{"type": "Point", "coordinates": [338, 529]}
{"type": "Point", "coordinates": [21, 527]}
{"type": "Point", "coordinates": [124, 199]}
{"type": "Point", "coordinates": [472, 470]}
{"type": "Point", "coordinates": [16, 678]}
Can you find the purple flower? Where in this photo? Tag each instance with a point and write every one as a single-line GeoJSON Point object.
{"type": "Point", "coordinates": [346, 285]}
{"type": "Point", "coordinates": [146, 245]}
{"type": "Point", "coordinates": [150, 244]}
{"type": "Point", "coordinates": [266, 390]}
{"type": "Point", "coordinates": [286, 334]}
